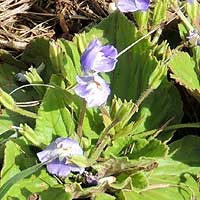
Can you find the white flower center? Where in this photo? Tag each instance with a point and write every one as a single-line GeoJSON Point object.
{"type": "Point", "coordinates": [63, 152]}
{"type": "Point", "coordinates": [95, 84]}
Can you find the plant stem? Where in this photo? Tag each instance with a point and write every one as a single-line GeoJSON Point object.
{"type": "Point", "coordinates": [97, 152]}
{"type": "Point", "coordinates": [106, 130]}
{"type": "Point", "coordinates": [81, 118]}
{"type": "Point", "coordinates": [143, 37]}
{"type": "Point", "coordinates": [186, 125]}
{"type": "Point", "coordinates": [170, 128]}
{"type": "Point", "coordinates": [31, 85]}
{"type": "Point", "coordinates": [103, 140]}
{"type": "Point", "coordinates": [185, 20]}
{"type": "Point", "coordinates": [144, 95]}
{"type": "Point", "coordinates": [137, 41]}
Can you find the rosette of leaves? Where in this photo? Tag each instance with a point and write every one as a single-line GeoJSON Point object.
{"type": "Point", "coordinates": [117, 152]}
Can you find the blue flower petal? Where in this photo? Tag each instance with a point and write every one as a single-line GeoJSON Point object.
{"type": "Point", "coordinates": [93, 89]}
{"type": "Point", "coordinates": [98, 57]}
{"type": "Point", "coordinates": [56, 155]}
{"type": "Point", "coordinates": [132, 5]}
{"type": "Point", "coordinates": [58, 168]}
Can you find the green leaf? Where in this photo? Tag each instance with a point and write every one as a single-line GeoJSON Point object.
{"type": "Point", "coordinates": [136, 146]}
{"type": "Point", "coordinates": [21, 175]}
{"type": "Point", "coordinates": [92, 124]}
{"type": "Point", "coordinates": [71, 60]}
{"type": "Point", "coordinates": [116, 146]}
{"type": "Point", "coordinates": [123, 181]}
{"type": "Point", "coordinates": [122, 113]}
{"type": "Point", "coordinates": [185, 73]}
{"type": "Point", "coordinates": [54, 119]}
{"type": "Point", "coordinates": [186, 150]}
{"type": "Point", "coordinates": [36, 53]}
{"type": "Point", "coordinates": [63, 62]}
{"type": "Point", "coordinates": [8, 83]}
{"type": "Point", "coordinates": [103, 196]}
{"type": "Point", "coordinates": [53, 193]}
{"type": "Point", "coordinates": [5, 121]}
{"type": "Point", "coordinates": [59, 56]}
{"type": "Point", "coordinates": [80, 161]}
{"type": "Point", "coordinates": [152, 148]}
{"type": "Point", "coordinates": [139, 180]}
{"type": "Point", "coordinates": [31, 135]}
{"type": "Point", "coordinates": [164, 103]}
{"type": "Point", "coordinates": [159, 11]}
{"type": "Point", "coordinates": [7, 101]}
{"type": "Point", "coordinates": [171, 178]}
{"type": "Point", "coordinates": [157, 76]}
{"type": "Point", "coordinates": [142, 19]}
{"type": "Point", "coordinates": [15, 149]}
{"type": "Point", "coordinates": [175, 176]}
{"type": "Point", "coordinates": [130, 182]}
{"type": "Point", "coordinates": [196, 56]}
{"type": "Point", "coordinates": [164, 192]}
{"type": "Point", "coordinates": [7, 77]}
{"type": "Point", "coordinates": [7, 59]}
{"type": "Point", "coordinates": [11, 171]}
{"type": "Point", "coordinates": [182, 31]}
{"type": "Point", "coordinates": [41, 184]}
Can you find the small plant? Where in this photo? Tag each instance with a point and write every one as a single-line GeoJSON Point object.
{"type": "Point", "coordinates": [94, 117]}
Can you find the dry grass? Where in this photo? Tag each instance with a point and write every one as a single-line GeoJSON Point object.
{"type": "Point", "coordinates": [18, 25]}
{"type": "Point", "coordinates": [23, 20]}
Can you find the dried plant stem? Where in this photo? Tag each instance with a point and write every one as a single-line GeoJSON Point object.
{"type": "Point", "coordinates": [13, 44]}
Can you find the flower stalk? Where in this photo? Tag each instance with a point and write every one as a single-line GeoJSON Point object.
{"type": "Point", "coordinates": [81, 119]}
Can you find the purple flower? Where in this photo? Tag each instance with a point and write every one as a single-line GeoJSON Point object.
{"type": "Point", "coordinates": [98, 57]}
{"type": "Point", "coordinates": [132, 5]}
{"type": "Point", "coordinates": [93, 89]}
{"type": "Point", "coordinates": [194, 38]}
{"type": "Point", "coordinates": [57, 154]}
{"type": "Point", "coordinates": [190, 1]}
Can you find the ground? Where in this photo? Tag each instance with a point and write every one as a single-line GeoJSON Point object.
{"type": "Point", "coordinates": [23, 20]}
